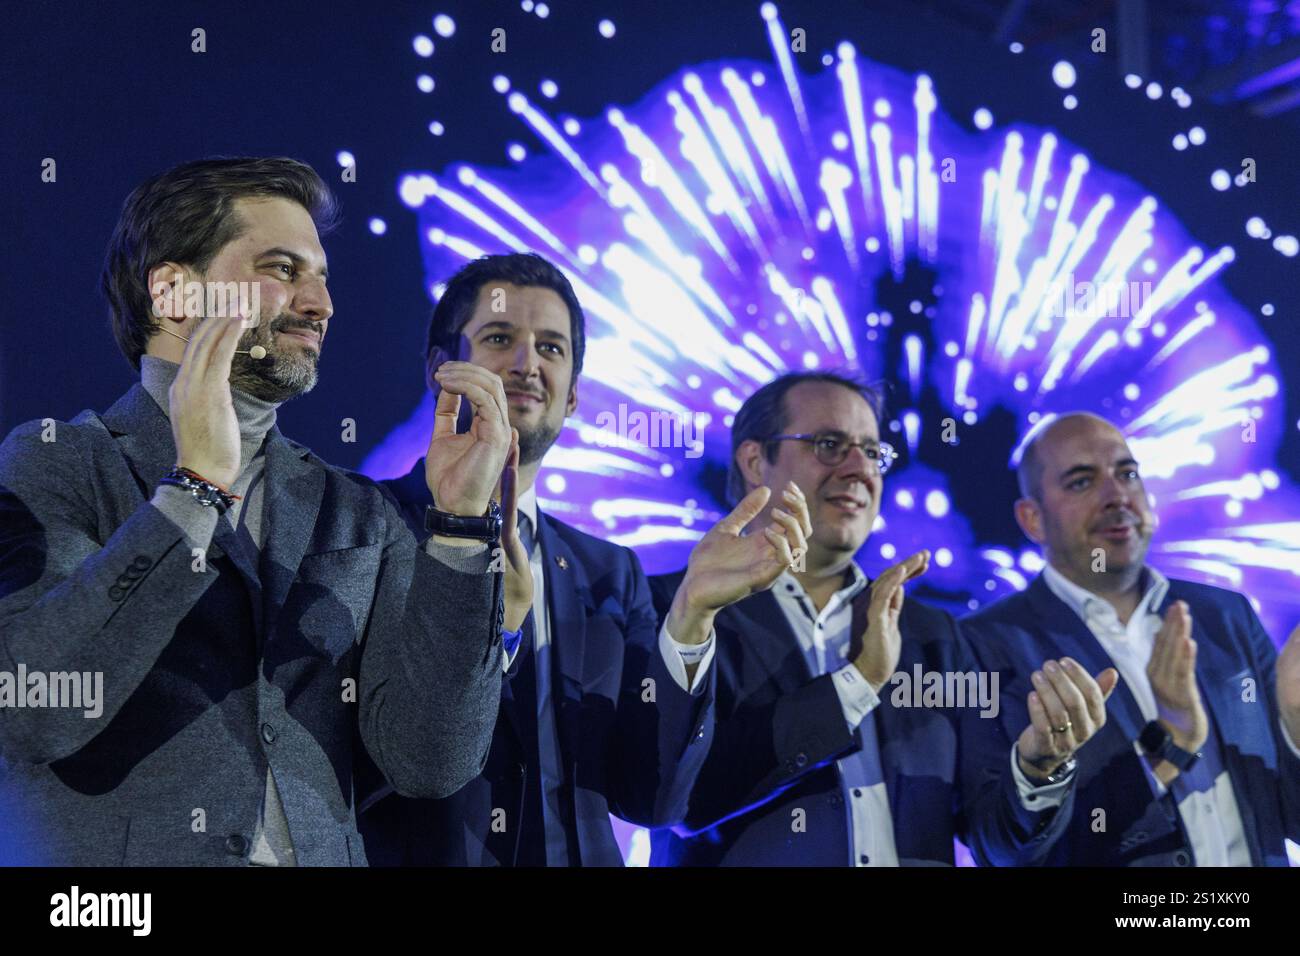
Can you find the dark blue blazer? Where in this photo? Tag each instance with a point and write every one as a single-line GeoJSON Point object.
{"type": "Point", "coordinates": [1233, 657]}
{"type": "Point", "coordinates": [627, 747]}
{"type": "Point", "coordinates": [947, 772]}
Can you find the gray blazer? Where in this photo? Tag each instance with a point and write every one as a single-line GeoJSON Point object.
{"type": "Point", "coordinates": [345, 633]}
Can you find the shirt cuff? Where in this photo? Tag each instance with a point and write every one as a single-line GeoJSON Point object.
{"type": "Point", "coordinates": [857, 699]}
{"type": "Point", "coordinates": [1037, 797]}
{"type": "Point", "coordinates": [1287, 737]}
{"type": "Point", "coordinates": [467, 559]}
{"type": "Point", "coordinates": [197, 523]}
{"type": "Point", "coordinates": [677, 656]}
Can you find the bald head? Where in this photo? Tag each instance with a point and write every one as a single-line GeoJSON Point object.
{"type": "Point", "coordinates": [1040, 442]}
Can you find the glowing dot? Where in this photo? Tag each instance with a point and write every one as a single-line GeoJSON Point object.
{"type": "Point", "coordinates": [824, 219]}
{"type": "Point", "coordinates": [970, 418]}
{"type": "Point", "coordinates": [378, 226]}
{"type": "Point", "coordinates": [1154, 91]}
{"type": "Point", "coordinates": [936, 503]}
{"type": "Point", "coordinates": [1049, 202]}
{"type": "Point", "coordinates": [587, 254]}
{"type": "Point", "coordinates": [606, 28]}
{"type": "Point", "coordinates": [943, 557]}
{"type": "Point", "coordinates": [517, 102]}
{"type": "Point", "coordinates": [872, 244]}
{"type": "Point", "coordinates": [1131, 392]}
{"type": "Point", "coordinates": [1255, 227]}
{"type": "Point", "coordinates": [807, 253]}
{"type": "Point", "coordinates": [423, 45]}
{"type": "Point", "coordinates": [1063, 74]}
{"type": "Point", "coordinates": [1158, 330]}
{"type": "Point", "coordinates": [983, 118]}
{"type": "Point", "coordinates": [990, 584]}
{"type": "Point", "coordinates": [693, 381]}
{"type": "Point", "coordinates": [1233, 508]}
{"type": "Point", "coordinates": [542, 10]}
{"type": "Point", "coordinates": [1268, 478]}
{"type": "Point", "coordinates": [904, 499]}
{"type": "Point", "coordinates": [1287, 245]}
{"type": "Point", "coordinates": [1148, 266]}
{"type": "Point", "coordinates": [767, 11]}
{"type": "Point", "coordinates": [500, 83]}
{"type": "Point", "coordinates": [666, 470]}
{"type": "Point", "coordinates": [1196, 136]}
{"type": "Point", "coordinates": [757, 78]}
{"type": "Point", "coordinates": [887, 551]}
{"type": "Point", "coordinates": [526, 6]}
{"type": "Point", "coordinates": [728, 420]}
{"type": "Point", "coordinates": [882, 108]}
{"type": "Point", "coordinates": [1070, 101]}
{"type": "Point", "coordinates": [1180, 142]}
{"type": "Point", "coordinates": [951, 350]}
{"type": "Point", "coordinates": [827, 59]}
{"type": "Point", "coordinates": [555, 484]}
{"type": "Point", "coordinates": [1220, 179]}
{"type": "Point", "coordinates": [549, 89]}
{"type": "Point", "coordinates": [436, 128]}
{"type": "Point", "coordinates": [425, 82]}
{"type": "Point", "coordinates": [444, 25]}
{"type": "Point", "coordinates": [1133, 338]}
{"type": "Point", "coordinates": [345, 158]}
{"type": "Point", "coordinates": [1132, 81]}
{"type": "Point", "coordinates": [1266, 308]}
{"type": "Point", "coordinates": [516, 152]}
{"type": "Point", "coordinates": [1017, 47]}
{"type": "Point", "coordinates": [810, 360]}
{"type": "Point", "coordinates": [1021, 382]}
{"type": "Point", "coordinates": [411, 192]}
{"type": "Point", "coordinates": [840, 141]}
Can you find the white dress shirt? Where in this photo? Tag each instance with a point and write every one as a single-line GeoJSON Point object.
{"type": "Point", "coordinates": [1211, 818]}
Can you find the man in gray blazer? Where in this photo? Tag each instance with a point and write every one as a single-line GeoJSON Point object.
{"type": "Point", "coordinates": [200, 619]}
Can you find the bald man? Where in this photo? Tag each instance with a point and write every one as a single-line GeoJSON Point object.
{"type": "Point", "coordinates": [1198, 763]}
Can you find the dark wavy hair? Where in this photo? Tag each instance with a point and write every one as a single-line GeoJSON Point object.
{"type": "Point", "coordinates": [522, 269]}
{"type": "Point", "coordinates": [187, 215]}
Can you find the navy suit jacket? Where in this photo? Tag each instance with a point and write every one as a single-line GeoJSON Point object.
{"type": "Point", "coordinates": [627, 747]}
{"type": "Point", "coordinates": [1234, 657]}
{"type": "Point", "coordinates": [780, 730]}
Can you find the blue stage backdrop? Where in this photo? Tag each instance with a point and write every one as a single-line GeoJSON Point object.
{"type": "Point", "coordinates": [746, 218]}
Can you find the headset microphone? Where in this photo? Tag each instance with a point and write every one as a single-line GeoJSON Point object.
{"type": "Point", "coordinates": [256, 353]}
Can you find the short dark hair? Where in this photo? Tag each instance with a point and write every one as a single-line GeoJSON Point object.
{"type": "Point", "coordinates": [764, 414]}
{"type": "Point", "coordinates": [186, 214]}
{"type": "Point", "coordinates": [524, 269]}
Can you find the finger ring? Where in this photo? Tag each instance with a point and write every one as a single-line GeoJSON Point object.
{"type": "Point", "coordinates": [1061, 730]}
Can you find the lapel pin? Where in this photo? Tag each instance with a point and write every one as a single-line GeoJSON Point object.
{"type": "Point", "coordinates": [560, 560]}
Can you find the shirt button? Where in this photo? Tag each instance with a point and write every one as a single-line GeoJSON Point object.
{"type": "Point", "coordinates": [236, 845]}
{"type": "Point", "coordinates": [800, 760]}
{"type": "Point", "coordinates": [1181, 858]}
{"type": "Point", "coordinates": [857, 791]}
{"type": "Point", "coordinates": [864, 859]}
{"type": "Point", "coordinates": [268, 733]}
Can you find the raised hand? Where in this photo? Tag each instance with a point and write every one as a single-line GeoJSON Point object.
{"type": "Point", "coordinates": [462, 470]}
{"type": "Point", "coordinates": [202, 412]}
{"type": "Point", "coordinates": [1066, 708]}
{"type": "Point", "coordinates": [519, 573]}
{"type": "Point", "coordinates": [881, 642]}
{"type": "Point", "coordinates": [1172, 672]}
{"type": "Point", "coordinates": [727, 566]}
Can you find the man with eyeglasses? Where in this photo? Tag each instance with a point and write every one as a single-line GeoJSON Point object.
{"type": "Point", "coordinates": [815, 761]}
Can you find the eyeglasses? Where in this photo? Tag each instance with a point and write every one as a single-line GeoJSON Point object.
{"type": "Point", "coordinates": [832, 448]}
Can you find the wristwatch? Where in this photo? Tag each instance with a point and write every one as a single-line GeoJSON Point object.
{"type": "Point", "coordinates": [484, 528]}
{"type": "Point", "coordinates": [1157, 741]}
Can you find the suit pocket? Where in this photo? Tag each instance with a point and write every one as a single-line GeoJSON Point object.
{"type": "Point", "coordinates": [329, 602]}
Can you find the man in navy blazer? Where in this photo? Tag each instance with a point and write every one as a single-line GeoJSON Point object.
{"type": "Point", "coordinates": [603, 710]}
{"type": "Point", "coordinates": [1198, 763]}
{"type": "Point", "coordinates": [815, 761]}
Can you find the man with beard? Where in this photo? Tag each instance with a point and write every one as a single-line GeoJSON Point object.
{"type": "Point", "coordinates": [815, 762]}
{"type": "Point", "coordinates": [602, 710]}
{"type": "Point", "coordinates": [251, 609]}
{"type": "Point", "coordinates": [1198, 763]}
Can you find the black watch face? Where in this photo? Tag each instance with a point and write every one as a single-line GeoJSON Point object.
{"type": "Point", "coordinates": [1153, 737]}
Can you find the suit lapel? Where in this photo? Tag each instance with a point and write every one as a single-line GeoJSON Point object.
{"type": "Point", "coordinates": [144, 435]}
{"type": "Point", "coordinates": [292, 490]}
{"type": "Point", "coordinates": [567, 585]}
{"type": "Point", "coordinates": [1067, 634]}
{"type": "Point", "coordinates": [760, 622]}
